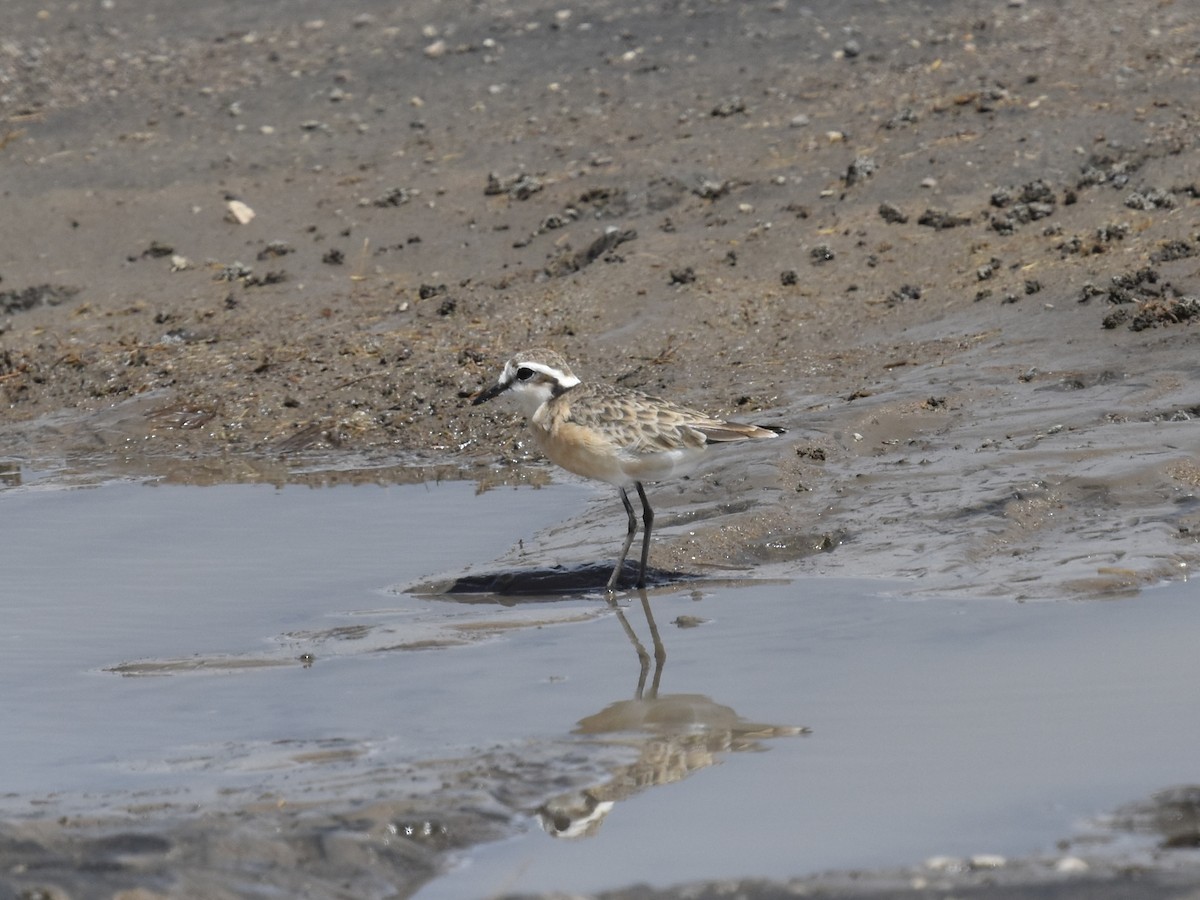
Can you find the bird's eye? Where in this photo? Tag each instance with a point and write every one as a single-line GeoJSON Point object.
{"type": "Point", "coordinates": [524, 373]}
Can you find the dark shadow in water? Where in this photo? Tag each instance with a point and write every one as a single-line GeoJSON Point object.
{"type": "Point", "coordinates": [541, 585]}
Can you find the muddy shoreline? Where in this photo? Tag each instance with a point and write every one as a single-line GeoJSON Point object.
{"type": "Point", "coordinates": [947, 247]}
{"type": "Point", "coordinates": [953, 248]}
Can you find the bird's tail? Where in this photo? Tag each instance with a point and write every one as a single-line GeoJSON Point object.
{"type": "Point", "coordinates": [736, 431]}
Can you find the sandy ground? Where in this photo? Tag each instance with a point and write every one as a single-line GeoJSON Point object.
{"type": "Point", "coordinates": [951, 247]}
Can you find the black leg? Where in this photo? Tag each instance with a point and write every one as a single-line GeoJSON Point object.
{"type": "Point", "coordinates": [616, 573]}
{"type": "Point", "coordinates": [648, 522]}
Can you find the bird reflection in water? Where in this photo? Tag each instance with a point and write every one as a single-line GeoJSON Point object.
{"type": "Point", "coordinates": [674, 734]}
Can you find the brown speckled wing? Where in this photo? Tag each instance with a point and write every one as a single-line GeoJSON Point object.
{"type": "Point", "coordinates": [642, 423]}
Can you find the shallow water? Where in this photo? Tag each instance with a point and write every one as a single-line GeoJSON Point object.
{"type": "Point", "coordinates": [938, 727]}
{"type": "Point", "coordinates": [155, 647]}
{"type": "Point", "coordinates": [229, 579]}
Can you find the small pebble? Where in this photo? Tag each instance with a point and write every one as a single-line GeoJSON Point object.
{"type": "Point", "coordinates": [939, 863]}
{"type": "Point", "coordinates": [987, 861]}
{"type": "Point", "coordinates": [239, 212]}
{"type": "Point", "coordinates": [1070, 865]}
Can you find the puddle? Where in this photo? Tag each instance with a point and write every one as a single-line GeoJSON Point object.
{"type": "Point", "coordinates": [185, 653]}
{"type": "Point", "coordinates": [938, 728]}
{"type": "Point", "coordinates": [154, 579]}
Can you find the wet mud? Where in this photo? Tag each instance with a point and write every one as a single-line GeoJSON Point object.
{"type": "Point", "coordinates": [952, 248]}
{"type": "Point", "coordinates": [987, 237]}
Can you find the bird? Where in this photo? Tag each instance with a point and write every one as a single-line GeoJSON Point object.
{"type": "Point", "coordinates": [612, 434]}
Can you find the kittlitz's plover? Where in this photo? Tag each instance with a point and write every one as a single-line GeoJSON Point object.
{"type": "Point", "coordinates": [612, 434]}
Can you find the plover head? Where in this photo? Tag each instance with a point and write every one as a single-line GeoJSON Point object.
{"type": "Point", "coordinates": [534, 377]}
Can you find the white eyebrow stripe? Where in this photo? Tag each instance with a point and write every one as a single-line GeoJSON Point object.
{"type": "Point", "coordinates": [555, 375]}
